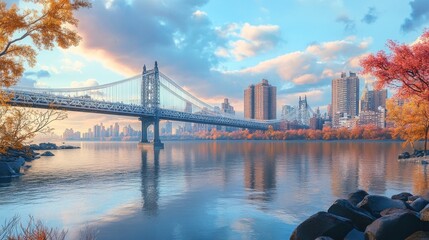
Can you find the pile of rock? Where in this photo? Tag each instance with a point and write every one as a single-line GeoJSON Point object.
{"type": "Point", "coordinates": [415, 154]}
{"type": "Point", "coordinates": [50, 146]}
{"type": "Point", "coordinates": [364, 216]}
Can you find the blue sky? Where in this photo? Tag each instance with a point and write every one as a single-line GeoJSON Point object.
{"type": "Point", "coordinates": [217, 48]}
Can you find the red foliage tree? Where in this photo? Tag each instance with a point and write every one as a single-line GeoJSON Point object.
{"type": "Point", "coordinates": [406, 68]}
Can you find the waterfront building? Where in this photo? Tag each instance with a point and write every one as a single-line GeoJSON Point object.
{"type": "Point", "coordinates": [345, 98]}
{"type": "Point", "coordinates": [260, 101]}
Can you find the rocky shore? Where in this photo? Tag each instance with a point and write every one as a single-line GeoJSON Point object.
{"type": "Point", "coordinates": [417, 156]}
{"type": "Point", "coordinates": [13, 159]}
{"type": "Point", "coordinates": [364, 216]}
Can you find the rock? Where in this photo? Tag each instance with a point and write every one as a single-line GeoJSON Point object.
{"type": "Point", "coordinates": [420, 235]}
{"type": "Point", "coordinates": [424, 162]}
{"type": "Point", "coordinates": [404, 155]}
{"type": "Point", "coordinates": [47, 146]}
{"type": "Point", "coordinates": [392, 227]}
{"type": "Point", "coordinates": [375, 204]}
{"type": "Point", "coordinates": [424, 214]}
{"type": "Point", "coordinates": [17, 164]}
{"type": "Point", "coordinates": [6, 170]}
{"type": "Point", "coordinates": [357, 197]}
{"type": "Point", "coordinates": [359, 217]}
{"type": "Point", "coordinates": [47, 153]}
{"type": "Point", "coordinates": [68, 147]}
{"type": "Point", "coordinates": [419, 204]}
{"type": "Point", "coordinates": [391, 211]}
{"type": "Point", "coordinates": [354, 235]}
{"type": "Point", "coordinates": [324, 238]}
{"type": "Point", "coordinates": [322, 224]}
{"type": "Point", "coordinates": [403, 196]}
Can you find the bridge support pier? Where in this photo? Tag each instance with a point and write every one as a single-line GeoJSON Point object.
{"type": "Point", "coordinates": [157, 144]}
{"type": "Point", "coordinates": [146, 122]}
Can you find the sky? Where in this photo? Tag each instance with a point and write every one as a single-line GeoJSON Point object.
{"type": "Point", "coordinates": [215, 49]}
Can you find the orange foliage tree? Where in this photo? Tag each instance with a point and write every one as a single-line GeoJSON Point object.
{"type": "Point", "coordinates": [49, 23]}
{"type": "Point", "coordinates": [406, 68]}
{"type": "Point", "coordinates": [411, 120]}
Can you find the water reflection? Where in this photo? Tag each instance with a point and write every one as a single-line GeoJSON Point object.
{"type": "Point", "coordinates": [204, 190]}
{"type": "Point", "coordinates": [150, 175]}
{"type": "Point", "coordinates": [259, 171]}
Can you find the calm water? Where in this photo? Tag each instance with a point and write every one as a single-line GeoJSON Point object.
{"type": "Point", "coordinates": [202, 190]}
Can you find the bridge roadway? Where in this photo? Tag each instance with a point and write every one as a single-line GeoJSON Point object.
{"type": "Point", "coordinates": [81, 104]}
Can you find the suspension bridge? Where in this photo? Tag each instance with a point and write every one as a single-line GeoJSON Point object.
{"type": "Point", "coordinates": [150, 96]}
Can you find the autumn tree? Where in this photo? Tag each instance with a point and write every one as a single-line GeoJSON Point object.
{"type": "Point", "coordinates": [411, 120]}
{"type": "Point", "coordinates": [49, 24]}
{"type": "Point", "coordinates": [406, 68]}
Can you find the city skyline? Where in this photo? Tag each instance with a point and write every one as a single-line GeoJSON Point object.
{"type": "Point", "coordinates": [298, 53]}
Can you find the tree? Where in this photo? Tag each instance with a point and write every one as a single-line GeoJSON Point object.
{"type": "Point", "coordinates": [18, 125]}
{"type": "Point", "coordinates": [50, 23]}
{"type": "Point", "coordinates": [406, 68]}
{"type": "Point", "coordinates": [411, 120]}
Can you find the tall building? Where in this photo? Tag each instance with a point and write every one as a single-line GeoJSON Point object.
{"type": "Point", "coordinates": [227, 108]}
{"type": "Point", "coordinates": [345, 97]}
{"type": "Point", "coordinates": [372, 99]}
{"type": "Point", "coordinates": [260, 101]}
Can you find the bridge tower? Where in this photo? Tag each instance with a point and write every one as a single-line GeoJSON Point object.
{"type": "Point", "coordinates": [150, 98]}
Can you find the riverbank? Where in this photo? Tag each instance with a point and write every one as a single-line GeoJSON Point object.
{"type": "Point", "coordinates": [365, 216]}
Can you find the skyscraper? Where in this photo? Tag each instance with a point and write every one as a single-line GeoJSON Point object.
{"type": "Point", "coordinates": [372, 99]}
{"type": "Point", "coordinates": [226, 107]}
{"type": "Point", "coordinates": [260, 101]}
{"type": "Point", "coordinates": [345, 97]}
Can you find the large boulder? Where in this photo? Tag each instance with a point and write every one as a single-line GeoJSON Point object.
{"type": "Point", "coordinates": [17, 164]}
{"type": "Point", "coordinates": [392, 227]}
{"type": "Point", "coordinates": [47, 153]}
{"type": "Point", "coordinates": [419, 204]}
{"type": "Point", "coordinates": [375, 204]}
{"type": "Point", "coordinates": [357, 197]}
{"type": "Point", "coordinates": [359, 217]}
{"type": "Point", "coordinates": [403, 196]}
{"type": "Point", "coordinates": [322, 224]}
{"type": "Point", "coordinates": [6, 170]}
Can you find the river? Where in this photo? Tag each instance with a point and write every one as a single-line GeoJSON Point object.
{"type": "Point", "coordinates": [202, 189]}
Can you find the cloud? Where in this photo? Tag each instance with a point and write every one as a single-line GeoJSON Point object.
{"type": "Point", "coordinates": [254, 40]}
{"type": "Point", "coordinates": [87, 83]}
{"type": "Point", "coordinates": [419, 15]}
{"type": "Point", "coordinates": [371, 16]}
{"type": "Point", "coordinates": [349, 24]}
{"type": "Point", "coordinates": [175, 33]}
{"type": "Point", "coordinates": [32, 78]}
{"type": "Point", "coordinates": [70, 65]}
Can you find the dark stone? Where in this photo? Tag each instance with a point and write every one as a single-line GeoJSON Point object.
{"type": "Point", "coordinates": [391, 211]}
{"type": "Point", "coordinates": [47, 153]}
{"type": "Point", "coordinates": [322, 224]}
{"type": "Point", "coordinates": [354, 235]}
{"type": "Point", "coordinates": [419, 204]}
{"type": "Point", "coordinates": [357, 197]}
{"type": "Point", "coordinates": [375, 204]}
{"type": "Point", "coordinates": [403, 196]}
{"type": "Point", "coordinates": [392, 227]}
{"type": "Point", "coordinates": [68, 147]}
{"type": "Point", "coordinates": [324, 238]}
{"type": "Point", "coordinates": [420, 235]}
{"type": "Point", "coordinates": [6, 170]}
{"type": "Point", "coordinates": [17, 164]}
{"type": "Point", "coordinates": [404, 155]}
{"type": "Point", "coordinates": [359, 217]}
